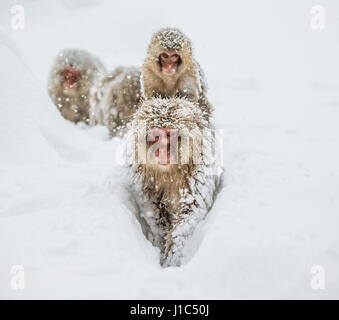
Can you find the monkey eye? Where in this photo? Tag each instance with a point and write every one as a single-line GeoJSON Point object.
{"type": "Point", "coordinates": [164, 55]}
{"type": "Point", "coordinates": [151, 138]}
{"type": "Point", "coordinates": [175, 58]}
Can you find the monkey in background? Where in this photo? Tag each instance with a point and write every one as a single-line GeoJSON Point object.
{"type": "Point", "coordinates": [73, 74]}
{"type": "Point", "coordinates": [115, 98]}
{"type": "Point", "coordinates": [172, 191]}
{"type": "Point", "coordinates": [170, 70]}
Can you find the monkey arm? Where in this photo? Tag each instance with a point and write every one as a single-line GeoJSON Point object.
{"type": "Point", "coordinates": [188, 88]}
{"type": "Point", "coordinates": [185, 218]}
{"type": "Point", "coordinates": [194, 206]}
{"type": "Point", "coordinates": [176, 239]}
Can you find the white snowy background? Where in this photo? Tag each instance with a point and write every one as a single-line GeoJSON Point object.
{"type": "Point", "coordinates": [273, 80]}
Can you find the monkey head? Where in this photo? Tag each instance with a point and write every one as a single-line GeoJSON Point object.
{"type": "Point", "coordinates": [167, 134]}
{"type": "Point", "coordinates": [169, 53]}
{"type": "Point", "coordinates": [73, 72]}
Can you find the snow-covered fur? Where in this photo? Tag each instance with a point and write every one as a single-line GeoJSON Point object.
{"type": "Point", "coordinates": [115, 98]}
{"type": "Point", "coordinates": [74, 104]}
{"type": "Point", "coordinates": [188, 81]}
{"type": "Point", "coordinates": [173, 199]}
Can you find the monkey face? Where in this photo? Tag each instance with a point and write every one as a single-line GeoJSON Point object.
{"type": "Point", "coordinates": [166, 135]}
{"type": "Point", "coordinates": [71, 77]}
{"type": "Point", "coordinates": [167, 150]}
{"type": "Point", "coordinates": [169, 62]}
{"type": "Point", "coordinates": [162, 147]}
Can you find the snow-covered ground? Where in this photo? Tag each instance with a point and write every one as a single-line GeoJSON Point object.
{"type": "Point", "coordinates": [64, 213]}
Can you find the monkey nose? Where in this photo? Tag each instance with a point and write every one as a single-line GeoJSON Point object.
{"type": "Point", "coordinates": [170, 70]}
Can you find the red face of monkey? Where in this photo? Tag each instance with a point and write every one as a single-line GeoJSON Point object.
{"type": "Point", "coordinates": [71, 77]}
{"type": "Point", "coordinates": [169, 62]}
{"type": "Point", "coordinates": [162, 146]}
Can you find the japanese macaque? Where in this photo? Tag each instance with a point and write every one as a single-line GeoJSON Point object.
{"type": "Point", "coordinates": [170, 151]}
{"type": "Point", "coordinates": [73, 74]}
{"type": "Point", "coordinates": [115, 99]}
{"type": "Point", "coordinates": [170, 70]}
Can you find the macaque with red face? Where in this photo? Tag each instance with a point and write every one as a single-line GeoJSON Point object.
{"type": "Point", "coordinates": [172, 174]}
{"type": "Point", "coordinates": [73, 74]}
{"type": "Point", "coordinates": [170, 70]}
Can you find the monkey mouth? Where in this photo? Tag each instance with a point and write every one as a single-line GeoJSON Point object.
{"type": "Point", "coordinates": [164, 160]}
{"type": "Point", "coordinates": [69, 85]}
{"type": "Point", "coordinates": [169, 69]}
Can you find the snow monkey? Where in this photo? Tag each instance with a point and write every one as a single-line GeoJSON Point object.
{"type": "Point", "coordinates": [173, 172]}
{"type": "Point", "coordinates": [170, 70]}
{"type": "Point", "coordinates": [115, 98]}
{"type": "Point", "coordinates": [72, 75]}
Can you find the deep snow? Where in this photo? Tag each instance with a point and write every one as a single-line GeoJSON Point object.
{"type": "Point", "coordinates": [64, 212]}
